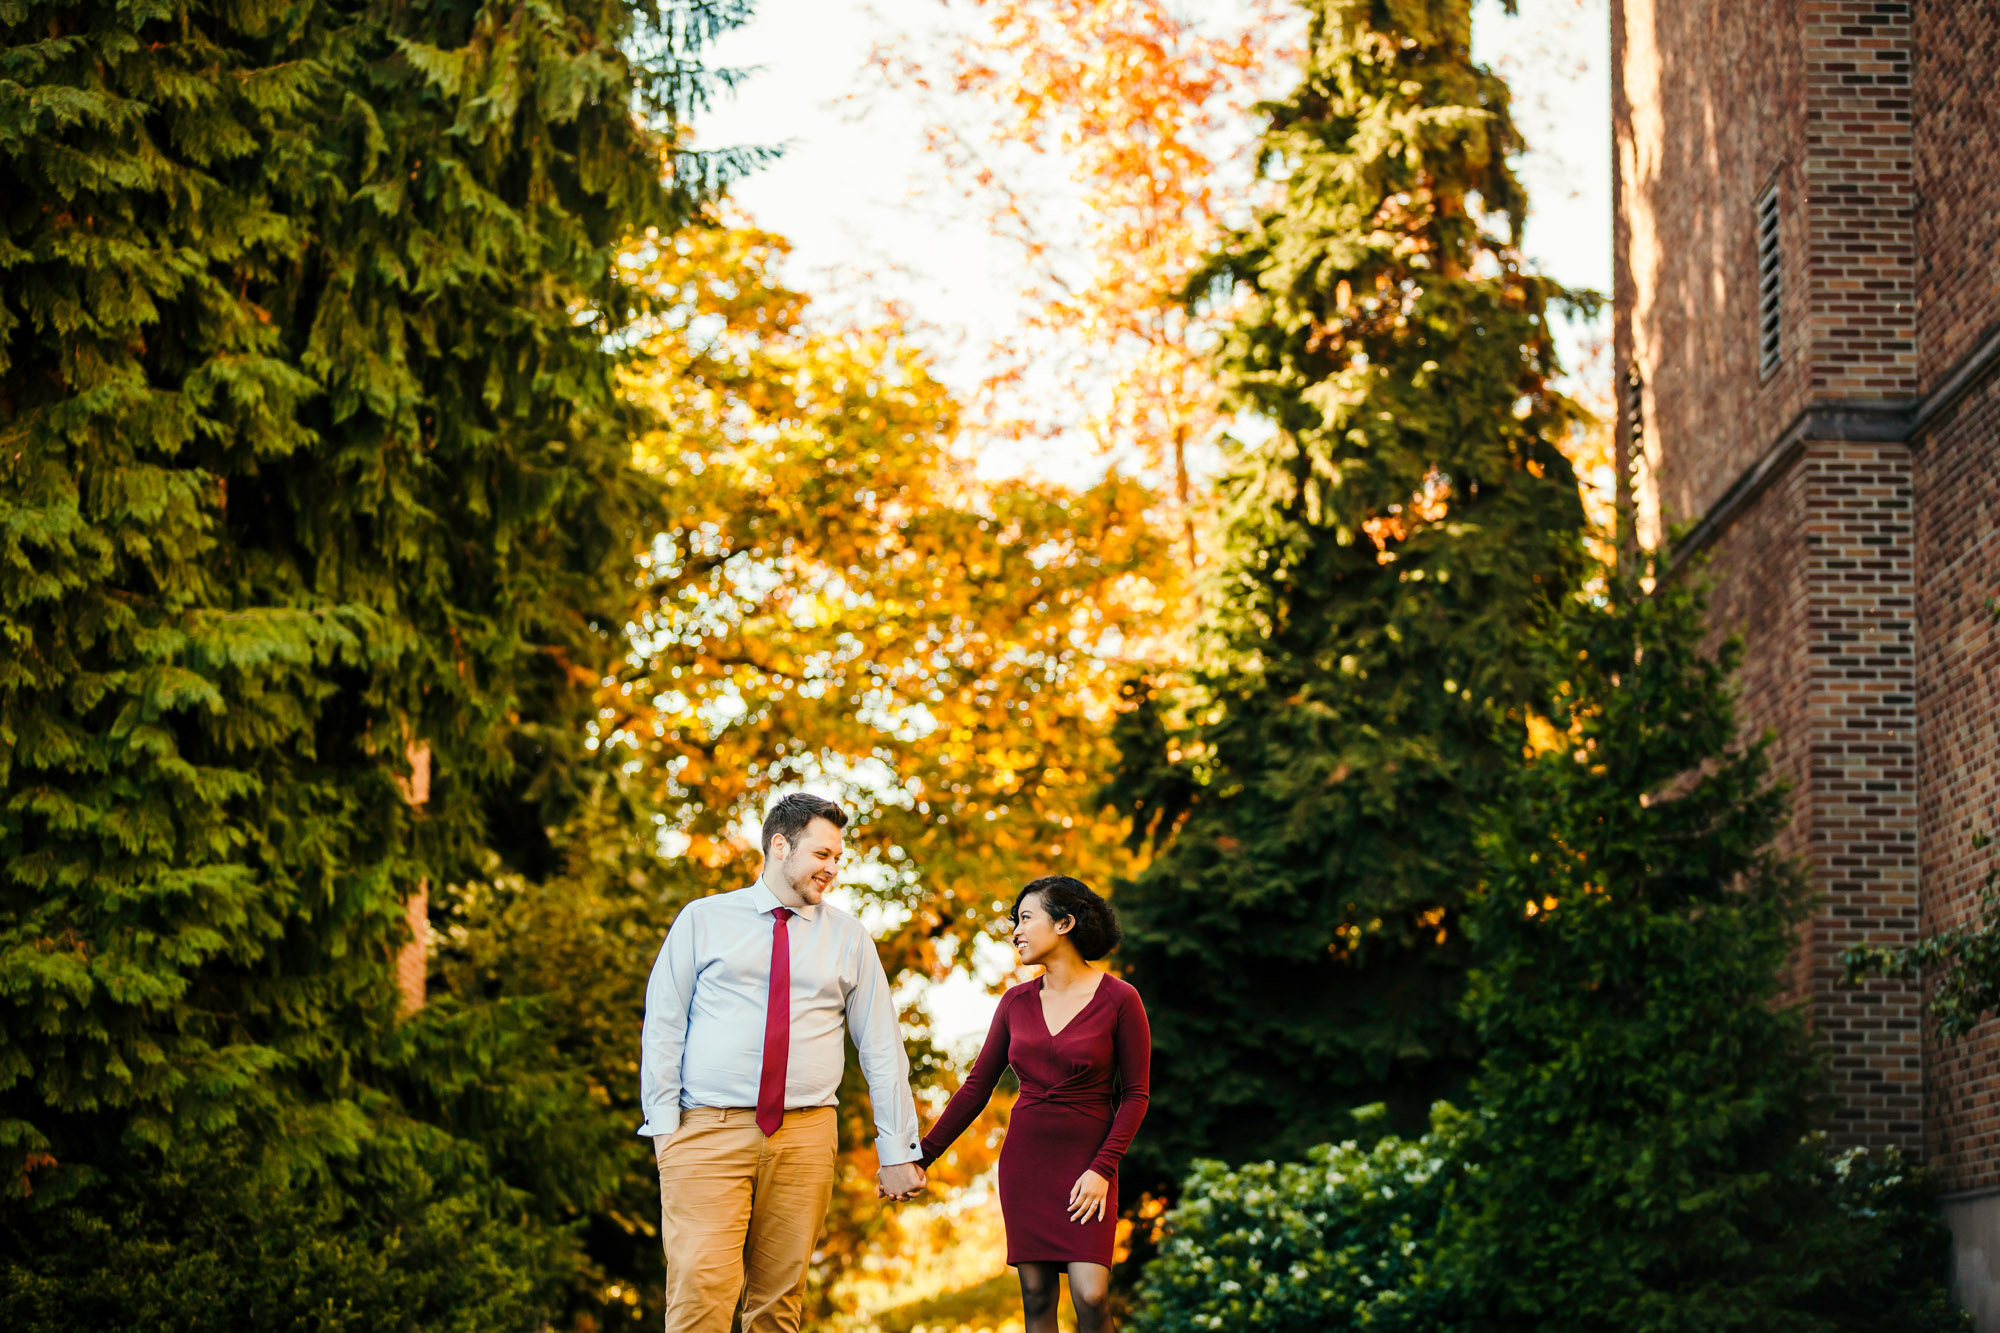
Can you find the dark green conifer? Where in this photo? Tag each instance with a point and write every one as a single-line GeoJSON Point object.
{"type": "Point", "coordinates": [310, 451]}
{"type": "Point", "coordinates": [1387, 552]}
{"type": "Point", "coordinates": [1639, 1152]}
{"type": "Point", "coordinates": [1644, 1157]}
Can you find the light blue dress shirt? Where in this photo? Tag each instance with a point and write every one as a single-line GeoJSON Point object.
{"type": "Point", "coordinates": [703, 1039]}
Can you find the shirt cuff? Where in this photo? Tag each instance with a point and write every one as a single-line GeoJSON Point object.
{"type": "Point", "coordinates": [661, 1122]}
{"type": "Point", "coordinates": [895, 1152]}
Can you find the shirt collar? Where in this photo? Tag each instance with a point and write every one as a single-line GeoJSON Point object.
{"type": "Point", "coordinates": [764, 902]}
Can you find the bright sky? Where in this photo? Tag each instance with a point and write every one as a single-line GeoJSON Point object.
{"type": "Point", "coordinates": [870, 220]}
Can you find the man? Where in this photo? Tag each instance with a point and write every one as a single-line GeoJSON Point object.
{"type": "Point", "coordinates": [740, 1058]}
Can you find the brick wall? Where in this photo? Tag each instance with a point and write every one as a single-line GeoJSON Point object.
{"type": "Point", "coordinates": [1760, 594]}
{"type": "Point", "coordinates": [1859, 568]}
{"type": "Point", "coordinates": [1958, 177]}
{"type": "Point", "coordinates": [1818, 577]}
{"type": "Point", "coordinates": [1816, 565]}
{"type": "Point", "coordinates": [1860, 183]}
{"type": "Point", "coordinates": [1861, 785]}
{"type": "Point", "coordinates": [1708, 92]}
{"type": "Point", "coordinates": [1958, 673]}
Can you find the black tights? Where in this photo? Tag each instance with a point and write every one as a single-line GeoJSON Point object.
{"type": "Point", "coordinates": [1089, 1296]}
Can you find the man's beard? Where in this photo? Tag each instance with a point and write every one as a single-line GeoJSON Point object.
{"type": "Point", "coordinates": [802, 881]}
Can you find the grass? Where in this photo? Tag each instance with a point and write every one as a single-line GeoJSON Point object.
{"type": "Point", "coordinates": [994, 1304]}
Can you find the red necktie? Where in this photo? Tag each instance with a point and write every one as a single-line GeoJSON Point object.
{"type": "Point", "coordinates": [777, 1029]}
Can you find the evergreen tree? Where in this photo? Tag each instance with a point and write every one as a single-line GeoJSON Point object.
{"type": "Point", "coordinates": [1388, 552]}
{"type": "Point", "coordinates": [1644, 1159]}
{"type": "Point", "coordinates": [312, 452]}
{"type": "Point", "coordinates": [574, 949]}
{"type": "Point", "coordinates": [1639, 1153]}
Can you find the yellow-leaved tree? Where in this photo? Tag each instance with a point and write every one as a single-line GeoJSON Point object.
{"type": "Point", "coordinates": [838, 600]}
{"type": "Point", "coordinates": [834, 599]}
{"type": "Point", "coordinates": [1109, 139]}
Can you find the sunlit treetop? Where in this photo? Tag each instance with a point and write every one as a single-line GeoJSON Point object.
{"type": "Point", "coordinates": [838, 599]}
{"type": "Point", "coordinates": [1140, 112]}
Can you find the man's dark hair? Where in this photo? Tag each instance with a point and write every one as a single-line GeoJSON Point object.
{"type": "Point", "coordinates": [790, 815]}
{"type": "Point", "coordinates": [1094, 929]}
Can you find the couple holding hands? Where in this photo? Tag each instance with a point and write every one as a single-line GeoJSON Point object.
{"type": "Point", "coordinates": [742, 1054]}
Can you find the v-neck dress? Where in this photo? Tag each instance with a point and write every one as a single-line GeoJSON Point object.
{"type": "Point", "coordinates": [1083, 1094]}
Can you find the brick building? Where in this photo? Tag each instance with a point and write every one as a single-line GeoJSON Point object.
{"type": "Point", "coordinates": [1807, 329]}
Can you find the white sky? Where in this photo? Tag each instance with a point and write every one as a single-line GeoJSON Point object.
{"type": "Point", "coordinates": [869, 218]}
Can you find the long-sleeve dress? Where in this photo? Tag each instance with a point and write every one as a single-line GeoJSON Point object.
{"type": "Point", "coordinates": [1083, 1094]}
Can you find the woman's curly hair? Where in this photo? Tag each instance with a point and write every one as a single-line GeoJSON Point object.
{"type": "Point", "coordinates": [1094, 929]}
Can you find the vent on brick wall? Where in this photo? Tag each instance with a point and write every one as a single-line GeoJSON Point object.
{"type": "Point", "coordinates": [1769, 281]}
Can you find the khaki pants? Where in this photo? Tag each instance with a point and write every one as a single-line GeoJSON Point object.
{"type": "Point", "coordinates": [740, 1214]}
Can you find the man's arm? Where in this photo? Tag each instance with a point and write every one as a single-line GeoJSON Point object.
{"type": "Point", "coordinates": [878, 1036]}
{"type": "Point", "coordinates": [663, 1036]}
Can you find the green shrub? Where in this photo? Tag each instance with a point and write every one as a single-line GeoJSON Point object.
{"type": "Point", "coordinates": [1340, 1240]}
{"type": "Point", "coordinates": [210, 1245]}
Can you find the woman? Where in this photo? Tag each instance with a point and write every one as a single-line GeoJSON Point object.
{"type": "Point", "coordinates": [1078, 1042]}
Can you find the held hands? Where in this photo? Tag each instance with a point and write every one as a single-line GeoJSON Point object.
{"type": "Point", "coordinates": [1087, 1197]}
{"type": "Point", "coordinates": [902, 1181]}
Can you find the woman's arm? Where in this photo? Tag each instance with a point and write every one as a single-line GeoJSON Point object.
{"type": "Point", "coordinates": [975, 1092]}
{"type": "Point", "coordinates": [1133, 1040]}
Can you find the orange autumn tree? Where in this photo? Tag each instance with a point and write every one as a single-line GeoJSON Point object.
{"type": "Point", "coordinates": [839, 600]}
{"type": "Point", "coordinates": [832, 598]}
{"type": "Point", "coordinates": [1139, 114]}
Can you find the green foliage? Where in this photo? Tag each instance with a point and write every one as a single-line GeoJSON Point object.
{"type": "Point", "coordinates": [184, 1253]}
{"type": "Point", "coordinates": [1897, 1251]}
{"type": "Point", "coordinates": [1640, 1153]}
{"type": "Point", "coordinates": [438, 1205]}
{"type": "Point", "coordinates": [1388, 554]}
{"type": "Point", "coordinates": [312, 449]}
{"type": "Point", "coordinates": [1350, 1239]}
{"type": "Point", "coordinates": [1644, 1159]}
{"type": "Point", "coordinates": [1338, 1241]}
{"type": "Point", "coordinates": [576, 948]}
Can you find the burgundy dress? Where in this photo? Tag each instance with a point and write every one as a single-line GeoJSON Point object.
{"type": "Point", "coordinates": [1083, 1094]}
